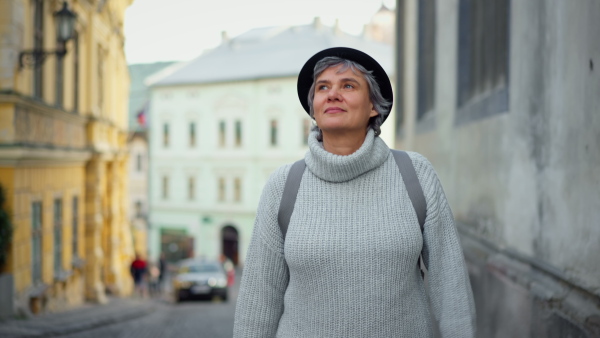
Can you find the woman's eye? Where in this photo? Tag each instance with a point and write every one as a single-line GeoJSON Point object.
{"type": "Point", "coordinates": [322, 87]}
{"type": "Point", "coordinates": [349, 86]}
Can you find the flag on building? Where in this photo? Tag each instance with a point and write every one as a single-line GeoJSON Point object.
{"type": "Point", "coordinates": [141, 115]}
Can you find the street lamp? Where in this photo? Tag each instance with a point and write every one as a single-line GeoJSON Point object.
{"type": "Point", "coordinates": [65, 29]}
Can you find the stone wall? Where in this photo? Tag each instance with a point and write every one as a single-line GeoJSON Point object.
{"type": "Point", "coordinates": [524, 182]}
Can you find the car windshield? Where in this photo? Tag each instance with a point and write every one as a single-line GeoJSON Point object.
{"type": "Point", "coordinates": [200, 268]}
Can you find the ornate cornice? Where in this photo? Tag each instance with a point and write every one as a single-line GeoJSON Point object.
{"type": "Point", "coordinates": [19, 154]}
{"type": "Point", "coordinates": [33, 104]}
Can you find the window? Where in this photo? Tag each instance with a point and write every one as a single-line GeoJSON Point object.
{"type": "Point", "coordinates": [75, 71]}
{"type": "Point", "coordinates": [192, 134]}
{"type": "Point", "coordinates": [191, 188]}
{"type": "Point", "coordinates": [36, 242]}
{"type": "Point", "coordinates": [75, 224]}
{"type": "Point", "coordinates": [38, 44]}
{"type": "Point", "coordinates": [138, 209]}
{"type": "Point", "coordinates": [221, 133]}
{"type": "Point", "coordinates": [165, 134]}
{"type": "Point", "coordinates": [57, 236]}
{"type": "Point", "coordinates": [237, 189]}
{"type": "Point", "coordinates": [426, 59]}
{"type": "Point", "coordinates": [399, 62]}
{"type": "Point", "coordinates": [59, 85]}
{"type": "Point", "coordinates": [273, 132]}
{"type": "Point", "coordinates": [221, 196]}
{"type": "Point", "coordinates": [238, 133]}
{"type": "Point", "coordinates": [483, 64]}
{"type": "Point", "coordinates": [138, 162]}
{"type": "Point", "coordinates": [165, 187]}
{"type": "Point", "coordinates": [305, 131]}
{"type": "Point", "coordinates": [100, 75]}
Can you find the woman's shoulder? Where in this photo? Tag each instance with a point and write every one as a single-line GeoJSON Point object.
{"type": "Point", "coordinates": [278, 177]}
{"type": "Point", "coordinates": [419, 160]}
{"type": "Point", "coordinates": [424, 169]}
{"type": "Point", "coordinates": [273, 188]}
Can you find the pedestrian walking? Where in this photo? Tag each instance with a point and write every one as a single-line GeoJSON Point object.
{"type": "Point", "coordinates": [162, 268]}
{"type": "Point", "coordinates": [229, 268]}
{"type": "Point", "coordinates": [338, 236]}
{"type": "Point", "coordinates": [139, 270]}
{"type": "Point", "coordinates": [154, 280]}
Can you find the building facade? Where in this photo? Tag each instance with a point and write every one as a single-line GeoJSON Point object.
{"type": "Point", "coordinates": [139, 98]}
{"type": "Point", "coordinates": [502, 97]}
{"type": "Point", "coordinates": [220, 125]}
{"type": "Point", "coordinates": [138, 191]}
{"type": "Point", "coordinates": [63, 156]}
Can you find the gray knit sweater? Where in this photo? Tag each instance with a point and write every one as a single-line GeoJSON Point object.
{"type": "Point", "coordinates": [348, 267]}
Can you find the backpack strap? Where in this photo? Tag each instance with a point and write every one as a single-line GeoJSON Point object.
{"type": "Point", "coordinates": [413, 187]}
{"type": "Point", "coordinates": [415, 193]}
{"type": "Point", "coordinates": [290, 191]}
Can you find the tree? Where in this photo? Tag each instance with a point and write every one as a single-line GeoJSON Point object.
{"type": "Point", "coordinates": [6, 229]}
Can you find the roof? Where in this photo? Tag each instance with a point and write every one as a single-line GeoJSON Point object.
{"type": "Point", "coordinates": [269, 53]}
{"type": "Point", "coordinates": [138, 91]}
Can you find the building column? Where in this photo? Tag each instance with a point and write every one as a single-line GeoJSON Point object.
{"type": "Point", "coordinates": [94, 177]}
{"type": "Point", "coordinates": [119, 242]}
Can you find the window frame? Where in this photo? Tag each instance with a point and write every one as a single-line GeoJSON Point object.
{"type": "Point", "coordinates": [38, 44]}
{"type": "Point", "coordinates": [306, 127]}
{"type": "Point", "coordinates": [475, 100]}
{"type": "Point", "coordinates": [57, 208]}
{"type": "Point", "coordinates": [138, 209]}
{"type": "Point", "coordinates": [273, 135]}
{"type": "Point", "coordinates": [426, 70]}
{"type": "Point", "coordinates": [76, 71]}
{"type": "Point", "coordinates": [221, 189]}
{"type": "Point", "coordinates": [191, 188]}
{"type": "Point", "coordinates": [166, 136]}
{"type": "Point", "coordinates": [237, 189]}
{"type": "Point", "coordinates": [165, 187]}
{"type": "Point", "coordinates": [37, 236]}
{"type": "Point", "coordinates": [222, 130]}
{"type": "Point", "coordinates": [238, 133]}
{"type": "Point", "coordinates": [192, 134]}
{"type": "Point", "coordinates": [138, 162]}
{"type": "Point", "coordinates": [75, 226]}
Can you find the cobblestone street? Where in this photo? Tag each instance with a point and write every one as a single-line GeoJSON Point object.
{"type": "Point", "coordinates": [131, 318]}
{"type": "Point", "coordinates": [198, 318]}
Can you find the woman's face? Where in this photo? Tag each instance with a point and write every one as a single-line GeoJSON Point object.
{"type": "Point", "coordinates": [341, 102]}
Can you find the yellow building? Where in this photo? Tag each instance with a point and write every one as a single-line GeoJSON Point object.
{"type": "Point", "coordinates": [63, 154]}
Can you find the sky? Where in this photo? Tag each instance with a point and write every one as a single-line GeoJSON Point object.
{"type": "Point", "coordinates": [180, 30]}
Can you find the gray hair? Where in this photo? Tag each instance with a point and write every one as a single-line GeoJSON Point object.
{"type": "Point", "coordinates": [380, 104]}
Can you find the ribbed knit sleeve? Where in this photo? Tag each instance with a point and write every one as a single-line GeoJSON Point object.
{"type": "Point", "coordinates": [450, 291]}
{"type": "Point", "coordinates": [266, 276]}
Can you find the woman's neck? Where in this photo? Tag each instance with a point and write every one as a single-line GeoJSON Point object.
{"type": "Point", "coordinates": [344, 143]}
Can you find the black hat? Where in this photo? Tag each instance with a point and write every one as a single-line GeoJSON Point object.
{"type": "Point", "coordinates": [305, 78]}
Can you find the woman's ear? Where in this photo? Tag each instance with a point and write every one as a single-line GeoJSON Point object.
{"type": "Point", "coordinates": [373, 111]}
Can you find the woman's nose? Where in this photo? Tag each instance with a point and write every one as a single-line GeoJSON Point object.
{"type": "Point", "coordinates": [333, 94]}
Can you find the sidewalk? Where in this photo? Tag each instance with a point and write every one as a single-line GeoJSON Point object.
{"type": "Point", "coordinates": [79, 319]}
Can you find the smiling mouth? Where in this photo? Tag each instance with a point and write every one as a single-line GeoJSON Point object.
{"type": "Point", "coordinates": [334, 110]}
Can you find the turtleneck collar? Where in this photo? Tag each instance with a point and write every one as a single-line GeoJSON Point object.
{"type": "Point", "coordinates": [339, 168]}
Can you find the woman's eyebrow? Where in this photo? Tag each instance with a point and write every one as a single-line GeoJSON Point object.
{"type": "Point", "coordinates": [346, 79]}
{"type": "Point", "coordinates": [349, 79]}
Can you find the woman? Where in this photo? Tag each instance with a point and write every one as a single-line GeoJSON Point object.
{"type": "Point", "coordinates": [347, 266]}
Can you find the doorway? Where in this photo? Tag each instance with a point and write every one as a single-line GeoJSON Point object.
{"type": "Point", "coordinates": [229, 237]}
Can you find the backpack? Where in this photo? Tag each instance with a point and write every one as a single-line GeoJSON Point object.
{"type": "Point", "coordinates": [409, 176]}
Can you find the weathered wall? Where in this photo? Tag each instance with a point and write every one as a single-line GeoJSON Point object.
{"type": "Point", "coordinates": [524, 184]}
{"type": "Point", "coordinates": [44, 147]}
